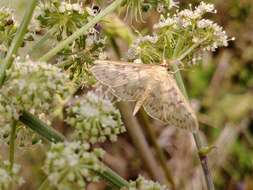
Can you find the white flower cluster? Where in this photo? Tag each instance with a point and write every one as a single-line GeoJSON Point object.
{"type": "Point", "coordinates": [72, 164]}
{"type": "Point", "coordinates": [142, 184]}
{"type": "Point", "coordinates": [139, 47]}
{"type": "Point", "coordinates": [68, 7]}
{"type": "Point", "coordinates": [183, 35]}
{"type": "Point", "coordinates": [191, 21]}
{"type": "Point", "coordinates": [94, 118]}
{"type": "Point", "coordinates": [8, 177]}
{"type": "Point", "coordinates": [37, 87]}
{"type": "Point", "coordinates": [163, 5]}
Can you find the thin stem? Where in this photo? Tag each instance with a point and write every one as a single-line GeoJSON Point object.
{"type": "Point", "coordinates": [189, 50]}
{"type": "Point", "coordinates": [203, 158]}
{"type": "Point", "coordinates": [42, 40]}
{"type": "Point", "coordinates": [81, 31]}
{"type": "Point", "coordinates": [17, 41]}
{"type": "Point", "coordinates": [12, 144]}
{"type": "Point", "coordinates": [134, 130]}
{"type": "Point", "coordinates": [12, 149]}
{"type": "Point", "coordinates": [44, 184]}
{"type": "Point", "coordinates": [52, 135]}
{"type": "Point", "coordinates": [160, 154]}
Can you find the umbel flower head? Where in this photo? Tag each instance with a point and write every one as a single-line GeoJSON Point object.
{"type": "Point", "coordinates": [62, 19]}
{"type": "Point", "coordinates": [37, 87]}
{"type": "Point", "coordinates": [182, 36]}
{"type": "Point", "coordinates": [72, 164]}
{"type": "Point", "coordinates": [8, 177]}
{"type": "Point", "coordinates": [94, 118]}
{"type": "Point", "coordinates": [143, 184]}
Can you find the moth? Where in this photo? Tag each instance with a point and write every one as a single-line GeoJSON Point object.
{"type": "Point", "coordinates": [150, 86]}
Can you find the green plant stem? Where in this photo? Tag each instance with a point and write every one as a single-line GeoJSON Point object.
{"type": "Point", "coordinates": [190, 49]}
{"type": "Point", "coordinates": [81, 31]}
{"type": "Point", "coordinates": [17, 41]}
{"type": "Point", "coordinates": [113, 178]}
{"type": "Point", "coordinates": [52, 135]}
{"type": "Point", "coordinates": [142, 117]}
{"type": "Point", "coordinates": [203, 158]}
{"type": "Point", "coordinates": [42, 41]}
{"type": "Point", "coordinates": [40, 127]}
{"type": "Point", "coordinates": [12, 148]}
{"type": "Point", "coordinates": [12, 144]}
{"type": "Point", "coordinates": [44, 184]}
{"type": "Point", "coordinates": [138, 138]}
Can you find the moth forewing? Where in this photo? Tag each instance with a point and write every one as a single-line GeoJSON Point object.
{"type": "Point", "coordinates": [151, 87]}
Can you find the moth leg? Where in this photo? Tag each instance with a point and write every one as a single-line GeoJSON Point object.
{"type": "Point", "coordinates": [141, 100]}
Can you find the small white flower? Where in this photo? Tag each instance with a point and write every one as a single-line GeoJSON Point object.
{"type": "Point", "coordinates": [204, 23]}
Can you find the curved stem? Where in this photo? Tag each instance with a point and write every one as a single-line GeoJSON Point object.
{"type": "Point", "coordinates": [203, 158]}
{"type": "Point", "coordinates": [81, 31]}
{"type": "Point", "coordinates": [17, 41]}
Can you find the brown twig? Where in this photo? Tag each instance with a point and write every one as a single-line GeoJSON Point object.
{"type": "Point", "coordinates": [134, 130]}
{"type": "Point", "coordinates": [142, 117]}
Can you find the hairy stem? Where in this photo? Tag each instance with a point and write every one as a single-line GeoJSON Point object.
{"type": "Point", "coordinates": [81, 31]}
{"type": "Point", "coordinates": [203, 158]}
{"type": "Point", "coordinates": [17, 41]}
{"type": "Point", "coordinates": [134, 130]}
{"type": "Point", "coordinates": [52, 135]}
{"type": "Point", "coordinates": [142, 117]}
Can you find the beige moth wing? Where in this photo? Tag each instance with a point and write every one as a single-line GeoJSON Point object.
{"type": "Point", "coordinates": [127, 81]}
{"type": "Point", "coordinates": [167, 104]}
{"type": "Point", "coordinates": [151, 87]}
